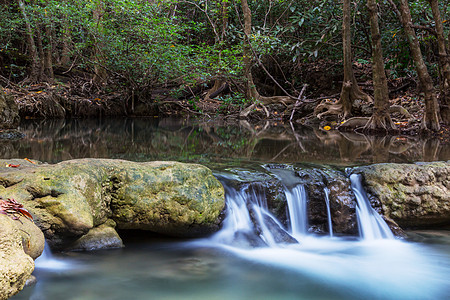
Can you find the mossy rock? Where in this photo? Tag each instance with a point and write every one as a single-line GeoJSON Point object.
{"type": "Point", "coordinates": [414, 195]}
{"type": "Point", "coordinates": [70, 198]}
{"type": "Point", "coordinates": [20, 242]}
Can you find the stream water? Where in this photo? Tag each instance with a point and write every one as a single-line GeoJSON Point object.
{"type": "Point", "coordinates": [255, 255]}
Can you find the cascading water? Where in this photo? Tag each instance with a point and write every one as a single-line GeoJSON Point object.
{"type": "Point", "coordinates": [296, 200]}
{"type": "Point", "coordinates": [327, 202]}
{"type": "Point", "coordinates": [48, 262]}
{"type": "Point", "coordinates": [314, 267]}
{"type": "Point", "coordinates": [248, 222]}
{"type": "Point", "coordinates": [371, 224]}
{"type": "Point", "coordinates": [381, 269]}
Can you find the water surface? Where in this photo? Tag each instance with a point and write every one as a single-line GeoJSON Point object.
{"type": "Point", "coordinates": [211, 143]}
{"type": "Point", "coordinates": [318, 267]}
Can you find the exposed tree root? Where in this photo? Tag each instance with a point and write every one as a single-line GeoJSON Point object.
{"type": "Point", "coordinates": [367, 124]}
{"type": "Point", "coordinates": [342, 108]}
{"type": "Point", "coordinates": [378, 123]}
{"type": "Point", "coordinates": [219, 87]}
{"type": "Point", "coordinates": [326, 108]}
{"type": "Point", "coordinates": [353, 123]}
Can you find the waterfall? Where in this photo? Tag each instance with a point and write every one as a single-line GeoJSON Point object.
{"type": "Point", "coordinates": [48, 261]}
{"type": "Point", "coordinates": [248, 221]}
{"type": "Point", "coordinates": [296, 200]}
{"type": "Point", "coordinates": [371, 224]}
{"type": "Point", "coordinates": [327, 202]}
{"type": "Point", "coordinates": [296, 197]}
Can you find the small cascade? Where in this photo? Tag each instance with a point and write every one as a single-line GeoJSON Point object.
{"type": "Point", "coordinates": [296, 200]}
{"type": "Point", "coordinates": [48, 261]}
{"type": "Point", "coordinates": [371, 224]}
{"type": "Point", "coordinates": [248, 221]}
{"type": "Point", "coordinates": [327, 201]}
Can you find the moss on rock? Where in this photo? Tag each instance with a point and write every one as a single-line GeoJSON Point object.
{"type": "Point", "coordinates": [414, 195]}
{"type": "Point", "coordinates": [70, 198]}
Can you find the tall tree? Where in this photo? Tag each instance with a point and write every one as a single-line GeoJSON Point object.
{"type": "Point", "coordinates": [36, 69]}
{"type": "Point", "coordinates": [48, 52]}
{"type": "Point", "coordinates": [350, 90]}
{"type": "Point", "coordinates": [431, 115]}
{"type": "Point", "coordinates": [444, 63]}
{"type": "Point", "coordinates": [99, 56]}
{"type": "Point", "coordinates": [251, 91]}
{"type": "Point", "coordinates": [380, 119]}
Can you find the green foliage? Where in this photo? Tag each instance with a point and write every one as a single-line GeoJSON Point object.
{"type": "Point", "coordinates": [170, 43]}
{"type": "Point", "coordinates": [232, 102]}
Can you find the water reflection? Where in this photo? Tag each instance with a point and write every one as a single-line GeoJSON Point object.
{"type": "Point", "coordinates": [208, 142]}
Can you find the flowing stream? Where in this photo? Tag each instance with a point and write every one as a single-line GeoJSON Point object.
{"type": "Point", "coordinates": [257, 254]}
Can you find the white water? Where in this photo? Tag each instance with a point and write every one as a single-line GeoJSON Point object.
{"type": "Point", "coordinates": [375, 267]}
{"type": "Point", "coordinates": [296, 200]}
{"type": "Point", "coordinates": [259, 267]}
{"type": "Point", "coordinates": [239, 227]}
{"type": "Point", "coordinates": [327, 202]}
{"type": "Point", "coordinates": [371, 224]}
{"type": "Point", "coordinates": [48, 262]}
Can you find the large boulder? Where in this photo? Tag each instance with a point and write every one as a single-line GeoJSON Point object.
{"type": "Point", "coordinates": [20, 242]}
{"type": "Point", "coordinates": [71, 198]}
{"type": "Point", "coordinates": [9, 111]}
{"type": "Point", "coordinates": [414, 195]}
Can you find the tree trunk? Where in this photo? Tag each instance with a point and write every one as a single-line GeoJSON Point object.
{"type": "Point", "coordinates": [66, 48]}
{"type": "Point", "coordinates": [48, 53]}
{"type": "Point", "coordinates": [431, 114]}
{"type": "Point", "coordinates": [100, 74]}
{"type": "Point", "coordinates": [444, 63]}
{"type": "Point", "coordinates": [251, 91]}
{"type": "Point", "coordinates": [380, 119]}
{"type": "Point", "coordinates": [219, 82]}
{"type": "Point", "coordinates": [350, 89]}
{"type": "Point", "coordinates": [35, 74]}
{"type": "Point", "coordinates": [40, 48]}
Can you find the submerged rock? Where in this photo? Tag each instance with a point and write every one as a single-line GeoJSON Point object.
{"type": "Point", "coordinates": [413, 195]}
{"type": "Point", "coordinates": [20, 242]}
{"type": "Point", "coordinates": [71, 198]}
{"type": "Point", "coordinates": [100, 237]}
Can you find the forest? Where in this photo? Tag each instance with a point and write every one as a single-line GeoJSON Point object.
{"type": "Point", "coordinates": [370, 66]}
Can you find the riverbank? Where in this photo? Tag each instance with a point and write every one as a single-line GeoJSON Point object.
{"type": "Point", "coordinates": [74, 99]}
